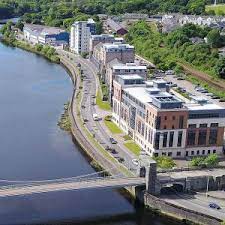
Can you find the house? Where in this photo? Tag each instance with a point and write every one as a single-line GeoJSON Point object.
{"type": "Point", "coordinates": [115, 27]}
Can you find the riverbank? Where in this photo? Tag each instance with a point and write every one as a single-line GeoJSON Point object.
{"type": "Point", "coordinates": [42, 51]}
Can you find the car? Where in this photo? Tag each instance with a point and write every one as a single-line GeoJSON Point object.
{"type": "Point", "coordinates": [120, 159]}
{"type": "Point", "coordinates": [180, 78]}
{"type": "Point", "coordinates": [108, 148]}
{"type": "Point", "coordinates": [222, 100]}
{"type": "Point", "coordinates": [112, 140]}
{"type": "Point", "coordinates": [209, 94]}
{"type": "Point", "coordinates": [113, 151]}
{"type": "Point", "coordinates": [95, 117]}
{"type": "Point", "coordinates": [173, 85]}
{"type": "Point", "coordinates": [214, 206]}
{"type": "Point", "coordinates": [85, 120]}
{"type": "Point", "coordinates": [215, 97]}
{"type": "Point", "coordinates": [135, 162]}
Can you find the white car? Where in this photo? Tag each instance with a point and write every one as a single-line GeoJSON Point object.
{"type": "Point", "coordinates": [95, 117]}
{"type": "Point", "coordinates": [135, 162]}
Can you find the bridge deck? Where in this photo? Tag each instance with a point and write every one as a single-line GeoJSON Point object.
{"type": "Point", "coordinates": [9, 191]}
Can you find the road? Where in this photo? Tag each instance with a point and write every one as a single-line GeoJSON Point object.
{"type": "Point", "coordinates": [197, 203]}
{"type": "Point", "coordinates": [97, 128]}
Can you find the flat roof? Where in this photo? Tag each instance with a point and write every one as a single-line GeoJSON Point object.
{"type": "Point", "coordinates": [127, 67]}
{"type": "Point", "coordinates": [117, 46]}
{"type": "Point", "coordinates": [207, 106]}
{"type": "Point", "coordinates": [131, 76]}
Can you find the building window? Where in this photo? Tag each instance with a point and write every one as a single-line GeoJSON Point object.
{"type": "Point", "coordinates": [170, 154]}
{"type": "Point", "coordinates": [180, 135]}
{"type": "Point", "coordinates": [178, 153]}
{"type": "Point", "coordinates": [174, 117]}
{"type": "Point", "coordinates": [164, 153]}
{"type": "Point", "coordinates": [171, 139]}
{"type": "Point", "coordinates": [186, 153]}
{"type": "Point", "coordinates": [165, 127]}
{"type": "Point", "coordinates": [157, 138]}
{"type": "Point", "coordinates": [203, 152]}
{"type": "Point", "coordinates": [181, 122]}
{"type": "Point", "coordinates": [192, 152]}
{"type": "Point", "coordinates": [165, 134]}
{"type": "Point", "coordinates": [209, 151]}
{"type": "Point", "coordinates": [202, 125]}
{"type": "Point", "coordinates": [202, 137]}
{"type": "Point", "coordinates": [165, 117]}
{"type": "Point", "coordinates": [191, 138]}
{"type": "Point", "coordinates": [173, 127]}
{"type": "Point", "coordinates": [197, 152]}
{"type": "Point", "coordinates": [214, 125]}
{"type": "Point", "coordinates": [192, 126]}
{"type": "Point", "coordinates": [158, 122]}
{"type": "Point", "coordinates": [214, 151]}
{"type": "Point", "coordinates": [213, 136]}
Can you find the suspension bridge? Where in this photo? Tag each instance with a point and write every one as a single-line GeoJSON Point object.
{"type": "Point", "coordinates": [96, 180]}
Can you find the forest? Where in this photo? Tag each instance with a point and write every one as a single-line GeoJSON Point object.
{"type": "Point", "coordinates": [56, 11]}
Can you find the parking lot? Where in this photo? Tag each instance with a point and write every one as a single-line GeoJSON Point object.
{"type": "Point", "coordinates": [190, 88]}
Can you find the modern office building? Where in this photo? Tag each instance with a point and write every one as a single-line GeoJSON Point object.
{"type": "Point", "coordinates": [162, 124]}
{"type": "Point", "coordinates": [80, 34]}
{"type": "Point", "coordinates": [38, 34]}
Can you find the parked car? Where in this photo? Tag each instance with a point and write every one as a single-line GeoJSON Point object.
{"type": "Point", "coordinates": [95, 117]}
{"type": "Point", "coordinates": [112, 140]}
{"type": "Point", "coordinates": [135, 162]}
{"type": "Point", "coordinates": [120, 159]}
{"type": "Point", "coordinates": [215, 97]}
{"type": "Point", "coordinates": [113, 151]}
{"type": "Point", "coordinates": [108, 148]}
{"type": "Point", "coordinates": [180, 78]}
{"type": "Point", "coordinates": [214, 206]}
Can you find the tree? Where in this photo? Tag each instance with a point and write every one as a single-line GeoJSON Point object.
{"type": "Point", "coordinates": [214, 38]}
{"type": "Point", "coordinates": [220, 67]}
{"type": "Point", "coordinates": [19, 25]}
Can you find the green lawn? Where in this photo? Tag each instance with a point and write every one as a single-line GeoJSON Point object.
{"type": "Point", "coordinates": [133, 147]}
{"type": "Point", "coordinates": [112, 127]}
{"type": "Point", "coordinates": [101, 104]}
{"type": "Point", "coordinates": [218, 9]}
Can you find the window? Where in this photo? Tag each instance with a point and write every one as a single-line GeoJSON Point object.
{"type": "Point", "coordinates": [186, 153]}
{"type": "Point", "coordinates": [165, 127]}
{"type": "Point", "coordinates": [174, 117]}
{"type": "Point", "coordinates": [165, 134]}
{"type": "Point", "coordinates": [171, 139]}
{"type": "Point", "coordinates": [202, 137]}
{"type": "Point", "coordinates": [192, 126]}
{"type": "Point", "coordinates": [203, 152]}
{"type": "Point", "coordinates": [158, 122]}
{"type": "Point", "coordinates": [173, 127]}
{"type": "Point", "coordinates": [181, 122]}
{"type": "Point", "coordinates": [191, 138]}
{"type": "Point", "coordinates": [203, 125]}
{"type": "Point", "coordinates": [164, 153]}
{"type": "Point", "coordinates": [178, 153]}
{"type": "Point", "coordinates": [165, 117]}
{"type": "Point", "coordinates": [157, 137]}
{"type": "Point", "coordinates": [213, 136]}
{"type": "Point", "coordinates": [209, 151]}
{"type": "Point", "coordinates": [170, 154]}
{"type": "Point", "coordinates": [214, 125]}
{"type": "Point", "coordinates": [179, 142]}
{"type": "Point", "coordinates": [156, 154]}
{"type": "Point", "coordinates": [214, 151]}
{"type": "Point", "coordinates": [192, 152]}
{"type": "Point", "coordinates": [198, 152]}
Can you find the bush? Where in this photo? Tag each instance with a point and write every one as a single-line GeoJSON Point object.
{"type": "Point", "coordinates": [209, 161]}
{"type": "Point", "coordinates": [165, 162]}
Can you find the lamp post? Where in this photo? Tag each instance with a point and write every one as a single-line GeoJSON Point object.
{"type": "Point", "coordinates": [207, 187]}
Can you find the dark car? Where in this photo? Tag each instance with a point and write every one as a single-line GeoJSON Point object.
{"type": "Point", "coordinates": [112, 140]}
{"type": "Point", "coordinates": [120, 159]}
{"type": "Point", "coordinates": [113, 151]}
{"type": "Point", "coordinates": [108, 148]}
{"type": "Point", "coordinates": [214, 206]}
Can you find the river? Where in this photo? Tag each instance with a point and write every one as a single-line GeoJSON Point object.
{"type": "Point", "coordinates": [32, 94]}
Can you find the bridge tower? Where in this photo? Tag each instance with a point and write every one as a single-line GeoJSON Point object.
{"type": "Point", "coordinates": [148, 169]}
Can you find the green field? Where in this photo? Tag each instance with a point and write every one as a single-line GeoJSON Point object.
{"type": "Point", "coordinates": [218, 9]}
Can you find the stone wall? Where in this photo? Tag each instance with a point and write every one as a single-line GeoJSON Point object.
{"type": "Point", "coordinates": [179, 212]}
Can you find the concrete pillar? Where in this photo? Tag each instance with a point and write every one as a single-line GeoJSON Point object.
{"type": "Point", "coordinates": [151, 176]}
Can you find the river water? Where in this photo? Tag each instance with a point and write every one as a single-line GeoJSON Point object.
{"type": "Point", "coordinates": [32, 94]}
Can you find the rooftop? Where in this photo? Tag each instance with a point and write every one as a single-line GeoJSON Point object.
{"type": "Point", "coordinates": [109, 46]}
{"type": "Point", "coordinates": [43, 30]}
{"type": "Point", "coordinates": [129, 66]}
{"type": "Point", "coordinates": [129, 77]}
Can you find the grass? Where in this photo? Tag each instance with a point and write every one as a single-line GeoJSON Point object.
{"type": "Point", "coordinates": [112, 127]}
{"type": "Point", "coordinates": [101, 104]}
{"type": "Point", "coordinates": [133, 147]}
{"type": "Point", "coordinates": [127, 137]}
{"type": "Point", "coordinates": [218, 9]}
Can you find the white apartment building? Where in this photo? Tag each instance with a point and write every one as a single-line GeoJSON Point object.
{"type": "Point", "coordinates": [80, 34]}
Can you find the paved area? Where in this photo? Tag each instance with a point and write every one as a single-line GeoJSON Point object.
{"type": "Point", "coordinates": [191, 89]}
{"type": "Point", "coordinates": [195, 173]}
{"type": "Point", "coordinates": [199, 203]}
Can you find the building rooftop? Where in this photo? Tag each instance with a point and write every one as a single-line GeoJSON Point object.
{"type": "Point", "coordinates": [118, 46]}
{"type": "Point", "coordinates": [115, 26]}
{"type": "Point", "coordinates": [129, 66]}
{"type": "Point", "coordinates": [131, 76]}
{"type": "Point", "coordinates": [203, 107]}
{"type": "Point", "coordinates": [102, 36]}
